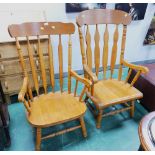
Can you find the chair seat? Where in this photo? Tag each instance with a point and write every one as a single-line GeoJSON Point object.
{"type": "Point", "coordinates": [112, 91]}
{"type": "Point", "coordinates": [55, 108]}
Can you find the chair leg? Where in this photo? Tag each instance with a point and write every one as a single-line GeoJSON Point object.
{"type": "Point", "coordinates": [84, 131]}
{"type": "Point", "coordinates": [38, 139]}
{"type": "Point", "coordinates": [99, 119]}
{"type": "Point", "coordinates": [132, 109]}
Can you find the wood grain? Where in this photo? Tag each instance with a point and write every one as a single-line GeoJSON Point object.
{"type": "Point", "coordinates": [42, 65]}
{"type": "Point", "coordinates": [105, 52]}
{"type": "Point", "coordinates": [122, 51]}
{"type": "Point", "coordinates": [60, 55]}
{"type": "Point", "coordinates": [40, 28]}
{"type": "Point", "coordinates": [114, 51]}
{"type": "Point", "coordinates": [108, 92]}
{"type": "Point", "coordinates": [112, 91]}
{"type": "Point", "coordinates": [50, 56]}
{"type": "Point", "coordinates": [33, 68]}
{"type": "Point", "coordinates": [50, 108]}
{"type": "Point", "coordinates": [97, 50]}
{"type": "Point", "coordinates": [88, 49]}
{"type": "Point", "coordinates": [69, 63]}
{"type": "Point", "coordinates": [82, 46]}
{"type": "Point", "coordinates": [103, 16]}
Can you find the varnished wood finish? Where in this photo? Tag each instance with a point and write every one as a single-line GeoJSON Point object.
{"type": "Point", "coordinates": [84, 132]}
{"type": "Point", "coordinates": [69, 63]}
{"type": "Point", "coordinates": [40, 28]}
{"type": "Point", "coordinates": [88, 49]}
{"type": "Point", "coordinates": [92, 76]}
{"type": "Point", "coordinates": [99, 118]}
{"type": "Point", "coordinates": [42, 65]}
{"type": "Point", "coordinates": [38, 139]}
{"type": "Point", "coordinates": [50, 53]}
{"type": "Point", "coordinates": [66, 108]}
{"type": "Point", "coordinates": [112, 91]}
{"type": "Point", "coordinates": [105, 52]}
{"type": "Point", "coordinates": [97, 50]}
{"type": "Point", "coordinates": [50, 108]}
{"type": "Point", "coordinates": [114, 51]}
{"type": "Point", "coordinates": [82, 46]}
{"type": "Point", "coordinates": [109, 91]}
{"type": "Point", "coordinates": [145, 125]}
{"type": "Point", "coordinates": [103, 16]}
{"type": "Point", "coordinates": [34, 74]}
{"type": "Point", "coordinates": [60, 63]}
{"type": "Point", "coordinates": [122, 51]}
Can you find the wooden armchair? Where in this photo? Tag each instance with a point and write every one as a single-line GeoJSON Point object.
{"type": "Point", "coordinates": [50, 108]}
{"type": "Point", "coordinates": [109, 91]}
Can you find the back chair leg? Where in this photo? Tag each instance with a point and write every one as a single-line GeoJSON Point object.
{"type": "Point", "coordinates": [132, 109]}
{"type": "Point", "coordinates": [84, 131]}
{"type": "Point", "coordinates": [38, 139]}
{"type": "Point", "coordinates": [99, 119]}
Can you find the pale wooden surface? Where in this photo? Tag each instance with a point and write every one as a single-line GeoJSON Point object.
{"type": "Point", "coordinates": [109, 91]}
{"type": "Point", "coordinates": [88, 49]}
{"type": "Point", "coordinates": [55, 108]}
{"type": "Point", "coordinates": [97, 50]}
{"type": "Point", "coordinates": [49, 109]}
{"type": "Point", "coordinates": [105, 51]}
{"type": "Point", "coordinates": [114, 50]}
{"type": "Point", "coordinates": [112, 91]}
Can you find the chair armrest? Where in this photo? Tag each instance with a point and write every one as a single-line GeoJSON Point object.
{"type": "Point", "coordinates": [143, 69]}
{"type": "Point", "coordinates": [85, 81]}
{"type": "Point", "coordinates": [23, 90]}
{"type": "Point", "coordinates": [90, 74]}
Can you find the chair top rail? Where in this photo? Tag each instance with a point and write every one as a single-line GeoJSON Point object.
{"type": "Point", "coordinates": [103, 16]}
{"type": "Point", "coordinates": [40, 28]}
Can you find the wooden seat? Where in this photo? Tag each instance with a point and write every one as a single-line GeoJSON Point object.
{"type": "Point", "coordinates": [112, 91]}
{"type": "Point", "coordinates": [53, 108]}
{"type": "Point", "coordinates": [108, 91]}
{"type": "Point", "coordinates": [44, 108]}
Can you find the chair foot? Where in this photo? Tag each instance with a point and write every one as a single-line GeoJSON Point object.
{"type": "Point", "coordinates": [132, 109]}
{"type": "Point", "coordinates": [99, 119]}
{"type": "Point", "coordinates": [84, 131]}
{"type": "Point", "coordinates": [38, 139]}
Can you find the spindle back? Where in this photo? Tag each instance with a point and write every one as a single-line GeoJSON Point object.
{"type": "Point", "coordinates": [105, 17]}
{"type": "Point", "coordinates": [37, 30]}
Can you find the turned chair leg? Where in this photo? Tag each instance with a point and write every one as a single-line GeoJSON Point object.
{"type": "Point", "coordinates": [99, 119]}
{"type": "Point", "coordinates": [84, 131]}
{"type": "Point", "coordinates": [38, 139]}
{"type": "Point", "coordinates": [132, 109]}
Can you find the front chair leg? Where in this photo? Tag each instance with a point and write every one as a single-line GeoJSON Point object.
{"type": "Point", "coordinates": [132, 109]}
{"type": "Point", "coordinates": [38, 139]}
{"type": "Point", "coordinates": [84, 131]}
{"type": "Point", "coordinates": [99, 119]}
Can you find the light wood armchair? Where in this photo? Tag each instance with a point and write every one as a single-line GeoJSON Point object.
{"type": "Point", "coordinates": [50, 108]}
{"type": "Point", "coordinates": [109, 91]}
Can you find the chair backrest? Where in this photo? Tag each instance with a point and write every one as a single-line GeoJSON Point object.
{"type": "Point", "coordinates": [97, 17]}
{"type": "Point", "coordinates": [36, 30]}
